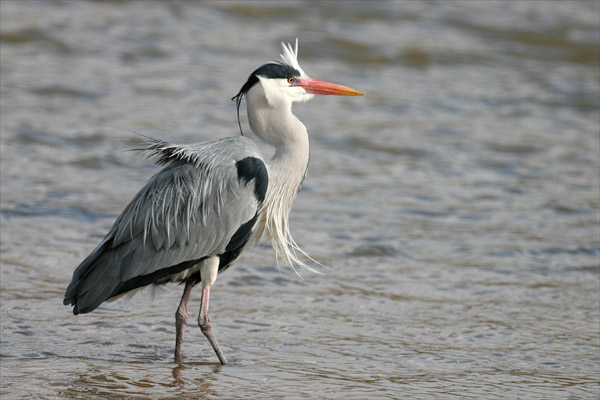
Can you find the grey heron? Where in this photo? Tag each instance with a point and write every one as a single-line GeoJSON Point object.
{"type": "Point", "coordinates": [194, 217]}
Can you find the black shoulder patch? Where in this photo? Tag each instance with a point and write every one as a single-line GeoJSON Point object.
{"type": "Point", "coordinates": [251, 168]}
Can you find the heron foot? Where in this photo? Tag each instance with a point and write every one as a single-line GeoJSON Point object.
{"type": "Point", "coordinates": [181, 319]}
{"type": "Point", "coordinates": [206, 328]}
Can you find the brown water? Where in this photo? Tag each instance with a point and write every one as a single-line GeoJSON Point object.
{"type": "Point", "coordinates": [457, 204]}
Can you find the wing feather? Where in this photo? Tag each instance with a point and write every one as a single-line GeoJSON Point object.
{"type": "Point", "coordinates": [188, 211]}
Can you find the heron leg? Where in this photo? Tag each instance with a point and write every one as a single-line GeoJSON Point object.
{"type": "Point", "coordinates": [206, 326]}
{"type": "Point", "coordinates": [181, 319]}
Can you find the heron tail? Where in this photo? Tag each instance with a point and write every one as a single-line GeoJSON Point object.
{"type": "Point", "coordinates": [92, 284]}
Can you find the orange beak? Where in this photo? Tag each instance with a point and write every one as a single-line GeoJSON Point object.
{"type": "Point", "coordinates": [315, 86]}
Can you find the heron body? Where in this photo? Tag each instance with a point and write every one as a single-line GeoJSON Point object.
{"type": "Point", "coordinates": [195, 216]}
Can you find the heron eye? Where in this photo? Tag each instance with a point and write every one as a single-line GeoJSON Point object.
{"type": "Point", "coordinates": [291, 80]}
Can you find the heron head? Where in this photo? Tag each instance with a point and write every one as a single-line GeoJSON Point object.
{"type": "Point", "coordinates": [285, 82]}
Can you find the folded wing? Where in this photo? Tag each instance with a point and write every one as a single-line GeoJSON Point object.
{"type": "Point", "coordinates": [203, 203]}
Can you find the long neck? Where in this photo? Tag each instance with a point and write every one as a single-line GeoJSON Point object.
{"type": "Point", "coordinates": [280, 128]}
{"type": "Point", "coordinates": [276, 125]}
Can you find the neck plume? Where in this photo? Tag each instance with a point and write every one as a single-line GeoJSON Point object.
{"type": "Point", "coordinates": [277, 126]}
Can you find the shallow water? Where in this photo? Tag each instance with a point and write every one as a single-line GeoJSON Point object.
{"type": "Point", "coordinates": [456, 205]}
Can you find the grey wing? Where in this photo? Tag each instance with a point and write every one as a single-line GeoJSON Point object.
{"type": "Point", "coordinates": [204, 203]}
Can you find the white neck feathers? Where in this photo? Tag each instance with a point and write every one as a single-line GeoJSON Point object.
{"type": "Point", "coordinates": [274, 123]}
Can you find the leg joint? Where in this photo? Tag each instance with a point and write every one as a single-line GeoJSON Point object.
{"type": "Point", "coordinates": [181, 317]}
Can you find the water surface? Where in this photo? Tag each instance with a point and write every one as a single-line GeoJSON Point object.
{"type": "Point", "coordinates": [456, 204]}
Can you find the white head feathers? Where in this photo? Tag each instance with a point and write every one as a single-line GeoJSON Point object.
{"type": "Point", "coordinates": [290, 57]}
